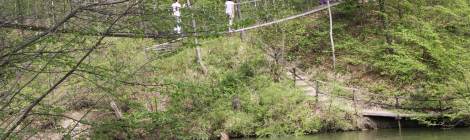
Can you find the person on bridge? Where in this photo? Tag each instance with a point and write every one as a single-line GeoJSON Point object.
{"type": "Point", "coordinates": [176, 6]}
{"type": "Point", "coordinates": [230, 11]}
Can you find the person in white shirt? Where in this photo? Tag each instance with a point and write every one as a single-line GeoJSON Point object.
{"type": "Point", "coordinates": [230, 11]}
{"type": "Point", "coordinates": [176, 6]}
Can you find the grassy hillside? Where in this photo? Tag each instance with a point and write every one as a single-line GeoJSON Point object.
{"type": "Point", "coordinates": [237, 96]}
{"type": "Point", "coordinates": [405, 48]}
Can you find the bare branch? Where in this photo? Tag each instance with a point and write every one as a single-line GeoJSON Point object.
{"type": "Point", "coordinates": [28, 109]}
{"type": "Point", "coordinates": [51, 30]}
{"type": "Point", "coordinates": [5, 24]}
{"type": "Point", "coordinates": [60, 115]}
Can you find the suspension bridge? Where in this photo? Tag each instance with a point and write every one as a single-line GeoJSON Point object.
{"type": "Point", "coordinates": [312, 89]}
{"type": "Point", "coordinates": [314, 10]}
{"type": "Point", "coordinates": [179, 37]}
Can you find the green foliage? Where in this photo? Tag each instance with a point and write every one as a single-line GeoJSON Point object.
{"type": "Point", "coordinates": [337, 119]}
{"type": "Point", "coordinates": [267, 108]}
{"type": "Point", "coordinates": [286, 112]}
{"type": "Point", "coordinates": [429, 47]}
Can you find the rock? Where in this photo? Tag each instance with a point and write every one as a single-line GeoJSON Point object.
{"type": "Point", "coordinates": [116, 110]}
{"type": "Point", "coordinates": [368, 124]}
{"type": "Point", "coordinates": [224, 136]}
{"type": "Point", "coordinates": [236, 103]}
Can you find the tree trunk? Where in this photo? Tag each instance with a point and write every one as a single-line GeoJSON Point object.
{"type": "Point", "coordinates": [333, 53]}
{"type": "Point", "coordinates": [19, 8]}
{"type": "Point", "coordinates": [142, 17]}
{"type": "Point", "coordinates": [384, 20]}
{"type": "Point", "coordinates": [155, 6]}
{"type": "Point", "coordinates": [53, 12]}
{"type": "Point", "coordinates": [331, 38]}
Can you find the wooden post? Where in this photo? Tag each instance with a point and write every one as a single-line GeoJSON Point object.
{"type": "Point", "coordinates": [317, 91]}
{"type": "Point", "coordinates": [354, 101]}
{"type": "Point", "coordinates": [239, 16]}
{"type": "Point", "coordinates": [294, 75]}
{"type": "Point", "coordinates": [198, 49]}
{"type": "Point", "coordinates": [193, 21]}
{"type": "Point", "coordinates": [398, 118]}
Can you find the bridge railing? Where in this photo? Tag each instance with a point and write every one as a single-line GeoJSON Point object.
{"type": "Point", "coordinates": [367, 98]}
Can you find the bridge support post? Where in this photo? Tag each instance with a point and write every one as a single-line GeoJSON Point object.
{"type": "Point", "coordinates": [399, 122]}
{"type": "Point", "coordinates": [398, 118]}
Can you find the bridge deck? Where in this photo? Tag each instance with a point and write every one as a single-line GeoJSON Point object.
{"type": "Point", "coordinates": [382, 113]}
{"type": "Point", "coordinates": [386, 113]}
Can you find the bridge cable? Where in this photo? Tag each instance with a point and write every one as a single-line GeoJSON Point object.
{"type": "Point", "coordinates": [315, 10]}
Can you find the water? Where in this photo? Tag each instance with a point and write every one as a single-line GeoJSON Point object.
{"type": "Point", "coordinates": [386, 134]}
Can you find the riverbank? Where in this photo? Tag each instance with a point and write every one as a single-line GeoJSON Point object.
{"type": "Point", "coordinates": [384, 134]}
